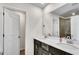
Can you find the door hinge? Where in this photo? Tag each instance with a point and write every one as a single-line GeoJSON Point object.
{"type": "Point", "coordinates": [3, 35]}
{"type": "Point", "coordinates": [3, 13]}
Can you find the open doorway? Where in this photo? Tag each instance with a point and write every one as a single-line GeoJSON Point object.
{"type": "Point", "coordinates": [22, 31]}
{"type": "Point", "coordinates": [14, 30]}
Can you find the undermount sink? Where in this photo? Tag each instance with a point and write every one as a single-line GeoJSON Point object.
{"type": "Point", "coordinates": [64, 42]}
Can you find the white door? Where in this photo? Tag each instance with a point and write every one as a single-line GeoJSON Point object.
{"type": "Point", "coordinates": [11, 33]}
{"type": "Point", "coordinates": [1, 30]}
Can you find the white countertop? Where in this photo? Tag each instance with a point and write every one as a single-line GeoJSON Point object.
{"type": "Point", "coordinates": [54, 41]}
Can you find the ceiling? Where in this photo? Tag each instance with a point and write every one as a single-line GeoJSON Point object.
{"type": "Point", "coordinates": [69, 13]}
{"type": "Point", "coordinates": [67, 10]}
{"type": "Point", "coordinates": [41, 5]}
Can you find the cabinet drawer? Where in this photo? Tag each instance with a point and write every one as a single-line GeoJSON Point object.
{"type": "Point", "coordinates": [43, 52]}
{"type": "Point", "coordinates": [56, 51]}
{"type": "Point", "coordinates": [45, 46]}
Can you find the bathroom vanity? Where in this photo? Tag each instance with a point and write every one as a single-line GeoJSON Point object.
{"type": "Point", "coordinates": [49, 46]}
{"type": "Point", "coordinates": [41, 48]}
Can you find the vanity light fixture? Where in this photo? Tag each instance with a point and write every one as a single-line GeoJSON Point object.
{"type": "Point", "coordinates": [73, 13]}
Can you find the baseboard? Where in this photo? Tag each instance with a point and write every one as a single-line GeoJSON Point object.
{"type": "Point", "coordinates": [22, 50]}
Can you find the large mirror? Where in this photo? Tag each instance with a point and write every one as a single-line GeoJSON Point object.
{"type": "Point", "coordinates": [64, 27]}
{"type": "Point", "coordinates": [68, 24]}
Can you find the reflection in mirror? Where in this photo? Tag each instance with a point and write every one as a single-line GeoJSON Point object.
{"type": "Point", "coordinates": [64, 27]}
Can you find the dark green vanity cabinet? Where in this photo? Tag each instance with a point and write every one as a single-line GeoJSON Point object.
{"type": "Point", "coordinates": [55, 51]}
{"type": "Point", "coordinates": [37, 46]}
{"type": "Point", "coordinates": [41, 48]}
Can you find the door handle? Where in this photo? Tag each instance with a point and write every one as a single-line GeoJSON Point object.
{"type": "Point", "coordinates": [19, 36]}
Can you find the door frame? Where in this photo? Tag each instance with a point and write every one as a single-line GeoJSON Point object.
{"type": "Point", "coordinates": [13, 9]}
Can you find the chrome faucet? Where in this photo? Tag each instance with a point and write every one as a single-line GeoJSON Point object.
{"type": "Point", "coordinates": [69, 40]}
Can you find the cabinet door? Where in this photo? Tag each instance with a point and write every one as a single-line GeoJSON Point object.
{"type": "Point", "coordinates": [11, 31]}
{"type": "Point", "coordinates": [37, 46]}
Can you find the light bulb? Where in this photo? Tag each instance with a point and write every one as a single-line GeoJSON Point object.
{"type": "Point", "coordinates": [73, 13]}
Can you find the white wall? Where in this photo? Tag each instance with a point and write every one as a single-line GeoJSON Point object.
{"type": "Point", "coordinates": [75, 27]}
{"type": "Point", "coordinates": [51, 26]}
{"type": "Point", "coordinates": [55, 25]}
{"type": "Point", "coordinates": [47, 21]}
{"type": "Point", "coordinates": [35, 20]}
